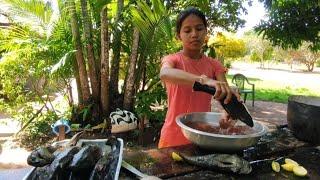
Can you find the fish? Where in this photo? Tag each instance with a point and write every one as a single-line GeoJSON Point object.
{"type": "Point", "coordinates": [44, 155]}
{"type": "Point", "coordinates": [41, 156]}
{"type": "Point", "coordinates": [223, 162]}
{"type": "Point", "coordinates": [105, 168]}
{"type": "Point", "coordinates": [86, 158]}
{"type": "Point", "coordinates": [58, 167]}
{"type": "Point", "coordinates": [84, 161]}
{"type": "Point", "coordinates": [42, 173]}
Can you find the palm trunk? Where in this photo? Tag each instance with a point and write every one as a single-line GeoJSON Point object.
{"type": "Point", "coordinates": [90, 53]}
{"type": "Point", "coordinates": [129, 88]}
{"type": "Point", "coordinates": [104, 63]}
{"type": "Point", "coordinates": [78, 82]}
{"type": "Point", "coordinates": [79, 55]}
{"type": "Point", "coordinates": [139, 71]}
{"type": "Point", "coordinates": [114, 76]}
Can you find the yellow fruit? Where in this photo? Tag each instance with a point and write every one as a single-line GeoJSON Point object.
{"type": "Point", "coordinates": [176, 157]}
{"type": "Point", "coordinates": [290, 161]}
{"type": "Point", "coordinates": [299, 171]}
{"type": "Point", "coordinates": [288, 166]}
{"type": "Point", "coordinates": [275, 166]}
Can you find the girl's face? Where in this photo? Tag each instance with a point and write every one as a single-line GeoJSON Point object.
{"type": "Point", "coordinates": [192, 33]}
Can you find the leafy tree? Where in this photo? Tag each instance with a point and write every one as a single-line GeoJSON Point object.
{"type": "Point", "coordinates": [291, 22]}
{"type": "Point", "coordinates": [259, 49]}
{"type": "Point", "coordinates": [224, 14]}
{"type": "Point", "coordinates": [281, 55]}
{"type": "Point", "coordinates": [255, 56]}
{"type": "Point", "coordinates": [228, 47]}
{"type": "Point", "coordinates": [305, 56]}
{"type": "Point", "coordinates": [35, 42]}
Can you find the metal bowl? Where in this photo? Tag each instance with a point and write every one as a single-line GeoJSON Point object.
{"type": "Point", "coordinates": [217, 142]}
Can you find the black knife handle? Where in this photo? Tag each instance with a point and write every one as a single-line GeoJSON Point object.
{"type": "Point", "coordinates": [204, 88]}
{"type": "Point", "coordinates": [234, 108]}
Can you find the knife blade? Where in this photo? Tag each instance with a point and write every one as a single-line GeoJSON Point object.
{"type": "Point", "coordinates": [236, 109]}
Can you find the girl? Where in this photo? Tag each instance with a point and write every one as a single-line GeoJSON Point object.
{"type": "Point", "coordinates": [181, 70]}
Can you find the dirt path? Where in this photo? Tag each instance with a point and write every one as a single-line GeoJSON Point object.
{"type": "Point", "coordinates": [270, 113]}
{"type": "Point", "coordinates": [11, 155]}
{"type": "Point", "coordinates": [282, 73]}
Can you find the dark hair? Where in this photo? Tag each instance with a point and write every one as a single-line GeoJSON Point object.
{"type": "Point", "coordinates": [187, 12]}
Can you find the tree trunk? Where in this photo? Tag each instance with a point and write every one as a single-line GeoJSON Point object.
{"type": "Point", "coordinates": [104, 64]}
{"type": "Point", "coordinates": [78, 82]}
{"type": "Point", "coordinates": [79, 55]}
{"type": "Point", "coordinates": [114, 76]}
{"type": "Point", "coordinates": [90, 53]}
{"type": "Point", "coordinates": [139, 71]}
{"type": "Point", "coordinates": [129, 88]}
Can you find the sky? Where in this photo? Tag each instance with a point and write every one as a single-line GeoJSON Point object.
{"type": "Point", "coordinates": [255, 13]}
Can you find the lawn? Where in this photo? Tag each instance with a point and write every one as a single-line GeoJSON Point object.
{"type": "Point", "coordinates": [275, 91]}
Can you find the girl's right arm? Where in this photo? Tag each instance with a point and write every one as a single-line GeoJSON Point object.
{"type": "Point", "coordinates": [177, 76]}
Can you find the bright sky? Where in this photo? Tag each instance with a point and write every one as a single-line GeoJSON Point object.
{"type": "Point", "coordinates": [255, 13]}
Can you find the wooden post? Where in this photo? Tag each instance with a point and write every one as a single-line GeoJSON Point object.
{"type": "Point", "coordinates": [62, 133]}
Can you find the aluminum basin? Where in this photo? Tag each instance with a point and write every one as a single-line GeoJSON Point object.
{"type": "Point", "coordinates": [217, 142]}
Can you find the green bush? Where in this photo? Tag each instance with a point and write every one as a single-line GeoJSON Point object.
{"type": "Point", "coordinates": [227, 64]}
{"type": "Point", "coordinates": [152, 104]}
{"type": "Point", "coordinates": [254, 57]}
{"type": "Point", "coordinates": [38, 131]}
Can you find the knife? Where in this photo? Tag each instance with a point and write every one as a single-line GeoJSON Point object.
{"type": "Point", "coordinates": [135, 171]}
{"type": "Point", "coordinates": [234, 108]}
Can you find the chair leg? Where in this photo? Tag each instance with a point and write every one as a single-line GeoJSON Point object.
{"type": "Point", "coordinates": [245, 97]}
{"type": "Point", "coordinates": [253, 99]}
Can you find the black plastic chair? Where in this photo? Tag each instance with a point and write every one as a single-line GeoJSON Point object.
{"type": "Point", "coordinates": [239, 80]}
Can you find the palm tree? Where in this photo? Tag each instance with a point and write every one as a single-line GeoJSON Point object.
{"type": "Point", "coordinates": [84, 85]}
{"type": "Point", "coordinates": [130, 79]}
{"type": "Point", "coordinates": [152, 33]}
{"type": "Point", "coordinates": [105, 66]}
{"type": "Point", "coordinates": [90, 51]}
{"type": "Point", "coordinates": [114, 75]}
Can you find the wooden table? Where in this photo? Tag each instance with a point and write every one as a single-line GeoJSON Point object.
{"type": "Point", "coordinates": [158, 162]}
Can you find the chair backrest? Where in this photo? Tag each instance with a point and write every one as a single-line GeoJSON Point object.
{"type": "Point", "coordinates": [238, 80]}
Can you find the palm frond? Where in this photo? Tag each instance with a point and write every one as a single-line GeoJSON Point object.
{"type": "Point", "coordinates": [34, 13]}
{"type": "Point", "coordinates": [62, 61]}
{"type": "Point", "coordinates": [147, 19]}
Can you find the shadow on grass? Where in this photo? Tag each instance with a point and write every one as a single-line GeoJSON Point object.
{"type": "Point", "coordinates": [291, 71]}
{"type": "Point", "coordinates": [229, 77]}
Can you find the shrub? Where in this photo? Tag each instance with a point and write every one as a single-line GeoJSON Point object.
{"type": "Point", "coordinates": [152, 104]}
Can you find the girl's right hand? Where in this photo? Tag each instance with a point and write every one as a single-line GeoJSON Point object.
{"type": "Point", "coordinates": [226, 121]}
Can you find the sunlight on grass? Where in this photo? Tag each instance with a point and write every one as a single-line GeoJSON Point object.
{"type": "Point", "coordinates": [275, 91]}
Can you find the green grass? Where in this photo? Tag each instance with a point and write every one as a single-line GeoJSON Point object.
{"type": "Point", "coordinates": [275, 91]}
